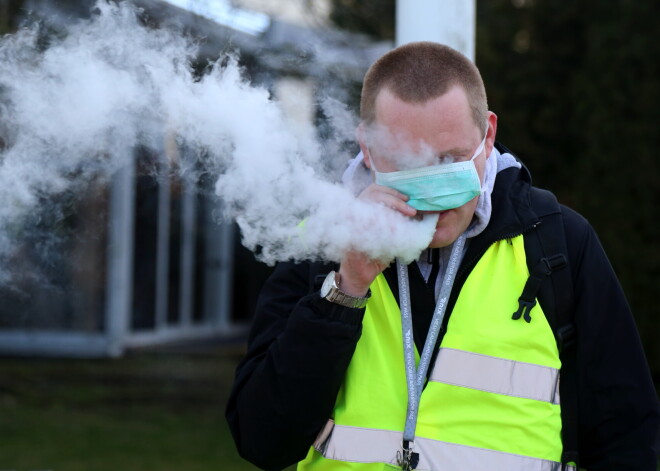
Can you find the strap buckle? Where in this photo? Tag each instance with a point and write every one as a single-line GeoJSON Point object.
{"type": "Point", "coordinates": [524, 309]}
{"type": "Point", "coordinates": [570, 460]}
{"type": "Point", "coordinates": [540, 272]}
{"type": "Point", "coordinates": [554, 262]}
{"type": "Point", "coordinates": [406, 458]}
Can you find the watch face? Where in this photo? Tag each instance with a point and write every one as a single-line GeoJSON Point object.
{"type": "Point", "coordinates": [327, 284]}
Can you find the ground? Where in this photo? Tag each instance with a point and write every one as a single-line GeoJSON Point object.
{"type": "Point", "coordinates": [146, 411]}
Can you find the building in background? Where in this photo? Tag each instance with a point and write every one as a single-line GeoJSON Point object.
{"type": "Point", "coordinates": [145, 259]}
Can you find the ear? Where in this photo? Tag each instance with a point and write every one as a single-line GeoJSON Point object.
{"type": "Point", "coordinates": [490, 133]}
{"type": "Point", "coordinates": [361, 135]}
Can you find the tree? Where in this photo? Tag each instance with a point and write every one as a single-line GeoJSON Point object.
{"type": "Point", "coordinates": [576, 91]}
{"type": "Point", "coordinates": [575, 87]}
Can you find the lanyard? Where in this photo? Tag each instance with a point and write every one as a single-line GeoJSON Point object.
{"type": "Point", "coordinates": [415, 377]}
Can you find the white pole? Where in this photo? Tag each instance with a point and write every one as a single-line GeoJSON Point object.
{"type": "Point", "coordinates": [450, 22]}
{"type": "Point", "coordinates": [187, 257]}
{"type": "Point", "coordinates": [163, 246]}
{"type": "Point", "coordinates": [119, 293]}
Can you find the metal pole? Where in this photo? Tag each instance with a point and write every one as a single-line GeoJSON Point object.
{"type": "Point", "coordinates": [120, 257]}
{"type": "Point", "coordinates": [450, 22]}
{"type": "Point", "coordinates": [219, 269]}
{"type": "Point", "coordinates": [188, 229]}
{"type": "Point", "coordinates": [163, 247]}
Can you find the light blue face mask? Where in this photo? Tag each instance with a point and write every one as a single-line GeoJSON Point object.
{"type": "Point", "coordinates": [436, 187]}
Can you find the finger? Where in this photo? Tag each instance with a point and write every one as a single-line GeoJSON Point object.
{"type": "Point", "coordinates": [393, 192]}
{"type": "Point", "coordinates": [389, 197]}
{"type": "Point", "coordinates": [375, 189]}
{"type": "Point", "coordinates": [397, 204]}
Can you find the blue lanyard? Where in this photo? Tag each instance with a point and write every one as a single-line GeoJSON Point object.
{"type": "Point", "coordinates": [415, 377]}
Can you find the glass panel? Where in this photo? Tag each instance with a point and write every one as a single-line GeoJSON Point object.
{"type": "Point", "coordinates": [145, 248]}
{"type": "Point", "coordinates": [57, 263]}
{"type": "Point", "coordinates": [174, 268]}
{"type": "Point", "coordinates": [199, 262]}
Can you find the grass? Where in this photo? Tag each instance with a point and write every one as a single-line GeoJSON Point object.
{"type": "Point", "coordinates": [146, 411]}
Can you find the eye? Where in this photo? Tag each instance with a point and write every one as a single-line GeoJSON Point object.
{"type": "Point", "coordinates": [446, 159]}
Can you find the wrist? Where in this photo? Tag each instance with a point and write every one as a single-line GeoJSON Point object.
{"type": "Point", "coordinates": [331, 291]}
{"type": "Point", "coordinates": [351, 287]}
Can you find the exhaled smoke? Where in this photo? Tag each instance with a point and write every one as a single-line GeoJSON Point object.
{"type": "Point", "coordinates": [77, 108]}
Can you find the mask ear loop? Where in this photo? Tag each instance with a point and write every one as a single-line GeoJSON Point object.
{"type": "Point", "coordinates": [481, 146]}
{"type": "Point", "coordinates": [371, 159]}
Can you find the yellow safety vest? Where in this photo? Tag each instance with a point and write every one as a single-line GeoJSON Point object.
{"type": "Point", "coordinates": [492, 400]}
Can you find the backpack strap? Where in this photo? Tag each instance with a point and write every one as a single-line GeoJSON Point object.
{"type": "Point", "coordinates": [543, 268]}
{"type": "Point", "coordinates": [551, 283]}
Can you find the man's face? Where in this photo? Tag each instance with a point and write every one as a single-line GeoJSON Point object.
{"type": "Point", "coordinates": [433, 132]}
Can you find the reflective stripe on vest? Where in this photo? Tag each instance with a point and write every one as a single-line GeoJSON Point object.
{"type": "Point", "coordinates": [496, 375]}
{"type": "Point", "coordinates": [356, 444]}
{"type": "Point", "coordinates": [492, 391]}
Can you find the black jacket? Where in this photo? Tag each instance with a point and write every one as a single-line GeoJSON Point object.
{"type": "Point", "coordinates": [300, 347]}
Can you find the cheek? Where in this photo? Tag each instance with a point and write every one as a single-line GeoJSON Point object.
{"type": "Point", "coordinates": [464, 214]}
{"type": "Point", "coordinates": [459, 218]}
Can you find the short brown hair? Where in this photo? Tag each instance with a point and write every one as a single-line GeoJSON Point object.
{"type": "Point", "coordinates": [419, 71]}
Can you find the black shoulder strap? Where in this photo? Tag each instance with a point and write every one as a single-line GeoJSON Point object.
{"type": "Point", "coordinates": [547, 257]}
{"type": "Point", "coordinates": [551, 283]}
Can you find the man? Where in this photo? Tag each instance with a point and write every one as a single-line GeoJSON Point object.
{"type": "Point", "coordinates": [332, 378]}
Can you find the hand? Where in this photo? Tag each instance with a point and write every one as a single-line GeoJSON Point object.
{"type": "Point", "coordinates": [388, 197]}
{"type": "Point", "coordinates": [356, 270]}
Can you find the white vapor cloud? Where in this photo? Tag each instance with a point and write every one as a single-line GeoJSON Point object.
{"type": "Point", "coordinates": [80, 106]}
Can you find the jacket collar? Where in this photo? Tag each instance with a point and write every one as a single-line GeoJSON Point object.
{"type": "Point", "coordinates": [512, 214]}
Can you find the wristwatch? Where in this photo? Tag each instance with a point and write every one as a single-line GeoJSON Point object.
{"type": "Point", "coordinates": [330, 291]}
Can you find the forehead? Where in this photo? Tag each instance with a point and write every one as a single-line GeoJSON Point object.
{"type": "Point", "coordinates": [442, 124]}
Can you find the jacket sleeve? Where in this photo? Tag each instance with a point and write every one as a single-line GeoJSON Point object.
{"type": "Point", "coordinates": [618, 406]}
{"type": "Point", "coordinates": [285, 389]}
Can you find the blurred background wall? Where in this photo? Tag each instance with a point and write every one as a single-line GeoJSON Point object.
{"type": "Point", "coordinates": [574, 85]}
